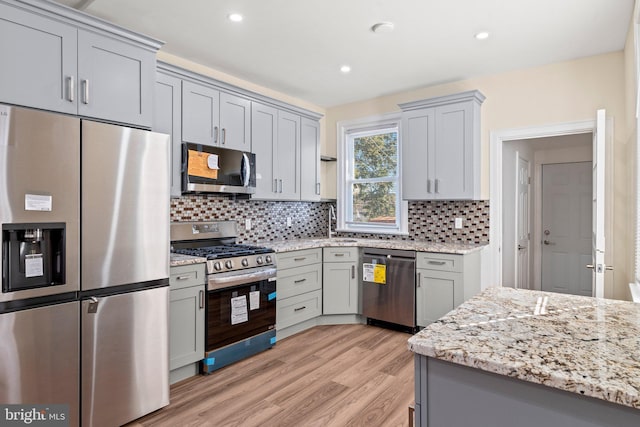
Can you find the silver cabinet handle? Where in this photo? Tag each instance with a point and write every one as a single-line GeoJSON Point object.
{"type": "Point", "coordinates": [215, 134]}
{"type": "Point", "coordinates": [300, 259]}
{"type": "Point", "coordinates": [300, 308]}
{"type": "Point", "coordinates": [224, 136]}
{"type": "Point", "coordinates": [299, 280]}
{"type": "Point", "coordinates": [428, 186]}
{"type": "Point", "coordinates": [71, 89]}
{"type": "Point", "coordinates": [182, 278]}
{"type": "Point", "coordinates": [353, 271]}
{"type": "Point", "coordinates": [201, 299]}
{"type": "Point", "coordinates": [338, 254]}
{"type": "Point", "coordinates": [419, 279]}
{"type": "Point", "coordinates": [318, 188]}
{"type": "Point", "coordinates": [85, 91]}
{"type": "Point", "coordinates": [275, 185]}
{"type": "Point", "coordinates": [280, 186]}
{"type": "Point", "coordinates": [436, 185]}
{"type": "Point", "coordinates": [437, 262]}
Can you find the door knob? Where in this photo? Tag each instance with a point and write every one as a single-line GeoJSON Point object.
{"type": "Point", "coordinates": [547, 242]}
{"type": "Point", "coordinates": [520, 247]}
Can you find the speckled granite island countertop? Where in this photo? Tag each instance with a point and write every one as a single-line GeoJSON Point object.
{"type": "Point", "coordinates": [413, 245]}
{"type": "Point", "coordinates": [578, 344]}
{"type": "Point", "coordinates": [179, 259]}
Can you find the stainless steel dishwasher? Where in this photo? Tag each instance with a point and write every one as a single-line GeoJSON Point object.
{"type": "Point", "coordinates": [389, 286]}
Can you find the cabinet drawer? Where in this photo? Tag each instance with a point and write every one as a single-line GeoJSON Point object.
{"type": "Point", "coordinates": [298, 258]}
{"type": "Point", "coordinates": [184, 276]}
{"type": "Point", "coordinates": [442, 262]}
{"type": "Point", "coordinates": [299, 308]}
{"type": "Point", "coordinates": [299, 280]}
{"type": "Point", "coordinates": [341, 254]}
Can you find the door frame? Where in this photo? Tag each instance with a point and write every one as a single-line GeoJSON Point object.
{"type": "Point", "coordinates": [497, 139]}
{"type": "Point", "coordinates": [517, 222]}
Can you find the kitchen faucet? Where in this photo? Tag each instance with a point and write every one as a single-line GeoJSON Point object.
{"type": "Point", "coordinates": [332, 216]}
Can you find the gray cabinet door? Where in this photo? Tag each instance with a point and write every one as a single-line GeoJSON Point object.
{"type": "Point", "coordinates": [288, 156]}
{"type": "Point", "coordinates": [235, 122]}
{"type": "Point", "coordinates": [39, 61]}
{"type": "Point", "coordinates": [186, 326]}
{"type": "Point", "coordinates": [339, 288]}
{"type": "Point", "coordinates": [418, 129]}
{"type": "Point", "coordinates": [452, 152]}
{"type": "Point", "coordinates": [200, 114]}
{"type": "Point", "coordinates": [437, 293]}
{"type": "Point", "coordinates": [166, 119]}
{"type": "Point", "coordinates": [309, 160]}
{"type": "Point", "coordinates": [115, 80]}
{"type": "Point", "coordinates": [264, 132]}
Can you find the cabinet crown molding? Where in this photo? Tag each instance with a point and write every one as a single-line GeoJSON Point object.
{"type": "Point", "coordinates": [471, 95]}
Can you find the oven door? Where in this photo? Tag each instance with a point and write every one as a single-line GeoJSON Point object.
{"type": "Point", "coordinates": [240, 311]}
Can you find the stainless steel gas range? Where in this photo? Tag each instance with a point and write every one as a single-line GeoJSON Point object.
{"type": "Point", "coordinates": [241, 291]}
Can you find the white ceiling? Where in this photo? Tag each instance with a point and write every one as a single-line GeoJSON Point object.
{"type": "Point", "coordinates": [297, 46]}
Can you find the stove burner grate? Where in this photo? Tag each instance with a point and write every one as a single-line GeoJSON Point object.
{"type": "Point", "coordinates": [223, 251]}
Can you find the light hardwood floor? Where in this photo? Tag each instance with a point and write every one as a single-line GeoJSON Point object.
{"type": "Point", "coordinates": [346, 375]}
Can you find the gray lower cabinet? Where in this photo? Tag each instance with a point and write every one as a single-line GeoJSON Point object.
{"type": "Point", "coordinates": [441, 147]}
{"type": "Point", "coordinates": [166, 119]}
{"type": "Point", "coordinates": [299, 287]}
{"type": "Point", "coordinates": [443, 282]}
{"type": "Point", "coordinates": [340, 293]}
{"type": "Point", "coordinates": [211, 117]}
{"type": "Point", "coordinates": [186, 315]}
{"type": "Point", "coordinates": [59, 59]}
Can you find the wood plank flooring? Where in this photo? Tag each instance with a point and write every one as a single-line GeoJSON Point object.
{"type": "Point", "coordinates": [344, 375]}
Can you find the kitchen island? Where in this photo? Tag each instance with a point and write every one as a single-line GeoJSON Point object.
{"type": "Point", "coordinates": [524, 358]}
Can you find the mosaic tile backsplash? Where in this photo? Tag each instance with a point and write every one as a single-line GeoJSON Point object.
{"type": "Point", "coordinates": [428, 220]}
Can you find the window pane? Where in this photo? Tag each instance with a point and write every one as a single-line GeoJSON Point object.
{"type": "Point", "coordinates": [374, 203]}
{"type": "Point", "coordinates": [375, 156]}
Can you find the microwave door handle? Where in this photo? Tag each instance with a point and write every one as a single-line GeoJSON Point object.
{"type": "Point", "coordinates": [246, 170]}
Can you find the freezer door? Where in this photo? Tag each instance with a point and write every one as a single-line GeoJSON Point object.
{"type": "Point", "coordinates": [39, 351]}
{"type": "Point", "coordinates": [125, 356]}
{"type": "Point", "coordinates": [125, 205]}
{"type": "Point", "coordinates": [39, 156]}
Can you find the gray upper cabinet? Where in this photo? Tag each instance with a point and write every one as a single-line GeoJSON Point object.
{"type": "Point", "coordinates": [288, 156]}
{"type": "Point", "coordinates": [200, 114]}
{"type": "Point", "coordinates": [58, 59]}
{"type": "Point", "coordinates": [166, 119]}
{"type": "Point", "coordinates": [264, 133]}
{"type": "Point", "coordinates": [441, 147]}
{"type": "Point", "coordinates": [211, 117]}
{"type": "Point", "coordinates": [309, 160]}
{"type": "Point", "coordinates": [115, 80]}
{"type": "Point", "coordinates": [39, 61]}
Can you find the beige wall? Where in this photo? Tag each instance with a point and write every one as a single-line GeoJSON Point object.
{"type": "Point", "coordinates": [556, 93]}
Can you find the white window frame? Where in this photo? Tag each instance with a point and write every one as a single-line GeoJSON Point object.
{"type": "Point", "coordinates": [345, 175]}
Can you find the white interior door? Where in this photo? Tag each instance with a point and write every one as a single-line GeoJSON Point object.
{"type": "Point", "coordinates": [523, 225]}
{"type": "Point", "coordinates": [566, 227]}
{"type": "Point", "coordinates": [598, 238]}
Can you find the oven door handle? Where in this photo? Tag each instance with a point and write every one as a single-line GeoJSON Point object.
{"type": "Point", "coordinates": [219, 281]}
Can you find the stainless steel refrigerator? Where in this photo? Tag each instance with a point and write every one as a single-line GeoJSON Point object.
{"type": "Point", "coordinates": [124, 273]}
{"type": "Point", "coordinates": [84, 210]}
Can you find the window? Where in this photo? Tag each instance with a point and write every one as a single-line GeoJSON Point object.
{"type": "Point", "coordinates": [369, 185]}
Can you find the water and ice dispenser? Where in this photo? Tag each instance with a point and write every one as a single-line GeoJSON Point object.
{"type": "Point", "coordinates": [33, 256]}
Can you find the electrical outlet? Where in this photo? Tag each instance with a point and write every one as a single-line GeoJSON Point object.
{"type": "Point", "coordinates": [247, 224]}
{"type": "Point", "coordinates": [289, 223]}
{"type": "Point", "coordinates": [457, 223]}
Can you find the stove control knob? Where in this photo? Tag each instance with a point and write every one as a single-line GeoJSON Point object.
{"type": "Point", "coordinates": [245, 262]}
{"type": "Point", "coordinates": [268, 259]}
{"type": "Point", "coordinates": [217, 266]}
{"type": "Point", "coordinates": [259, 260]}
{"type": "Point", "coordinates": [228, 264]}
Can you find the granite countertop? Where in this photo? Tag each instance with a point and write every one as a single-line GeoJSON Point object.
{"type": "Point", "coordinates": [178, 259]}
{"type": "Point", "coordinates": [584, 345]}
{"type": "Point", "coordinates": [417, 245]}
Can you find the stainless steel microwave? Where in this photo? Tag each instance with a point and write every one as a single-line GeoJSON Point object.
{"type": "Point", "coordinates": [208, 169]}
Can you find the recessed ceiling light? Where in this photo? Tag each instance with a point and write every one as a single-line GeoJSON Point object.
{"type": "Point", "coordinates": [482, 35]}
{"type": "Point", "coordinates": [345, 69]}
{"type": "Point", "coordinates": [235, 17]}
{"type": "Point", "coordinates": [382, 27]}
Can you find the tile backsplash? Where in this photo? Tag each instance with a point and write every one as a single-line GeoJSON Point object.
{"type": "Point", "coordinates": [428, 220]}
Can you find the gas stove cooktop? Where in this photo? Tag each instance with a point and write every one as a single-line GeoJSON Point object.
{"type": "Point", "coordinates": [224, 251]}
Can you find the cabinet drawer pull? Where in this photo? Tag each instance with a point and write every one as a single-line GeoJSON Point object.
{"type": "Point", "coordinates": [224, 136]}
{"type": "Point", "coordinates": [280, 186]}
{"type": "Point", "coordinates": [300, 308]}
{"type": "Point", "coordinates": [353, 271]}
{"type": "Point", "coordinates": [318, 188]}
{"type": "Point", "coordinates": [428, 186]}
{"type": "Point", "coordinates": [299, 280]}
{"type": "Point", "coordinates": [338, 254]}
{"type": "Point", "coordinates": [437, 184]}
{"type": "Point", "coordinates": [419, 279]}
{"type": "Point", "coordinates": [275, 185]}
{"type": "Point", "coordinates": [215, 134]}
{"type": "Point", "coordinates": [437, 262]}
{"type": "Point", "coordinates": [201, 298]}
{"type": "Point", "coordinates": [182, 278]}
{"type": "Point", "coordinates": [85, 96]}
{"type": "Point", "coordinates": [71, 88]}
{"type": "Point", "coordinates": [300, 259]}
